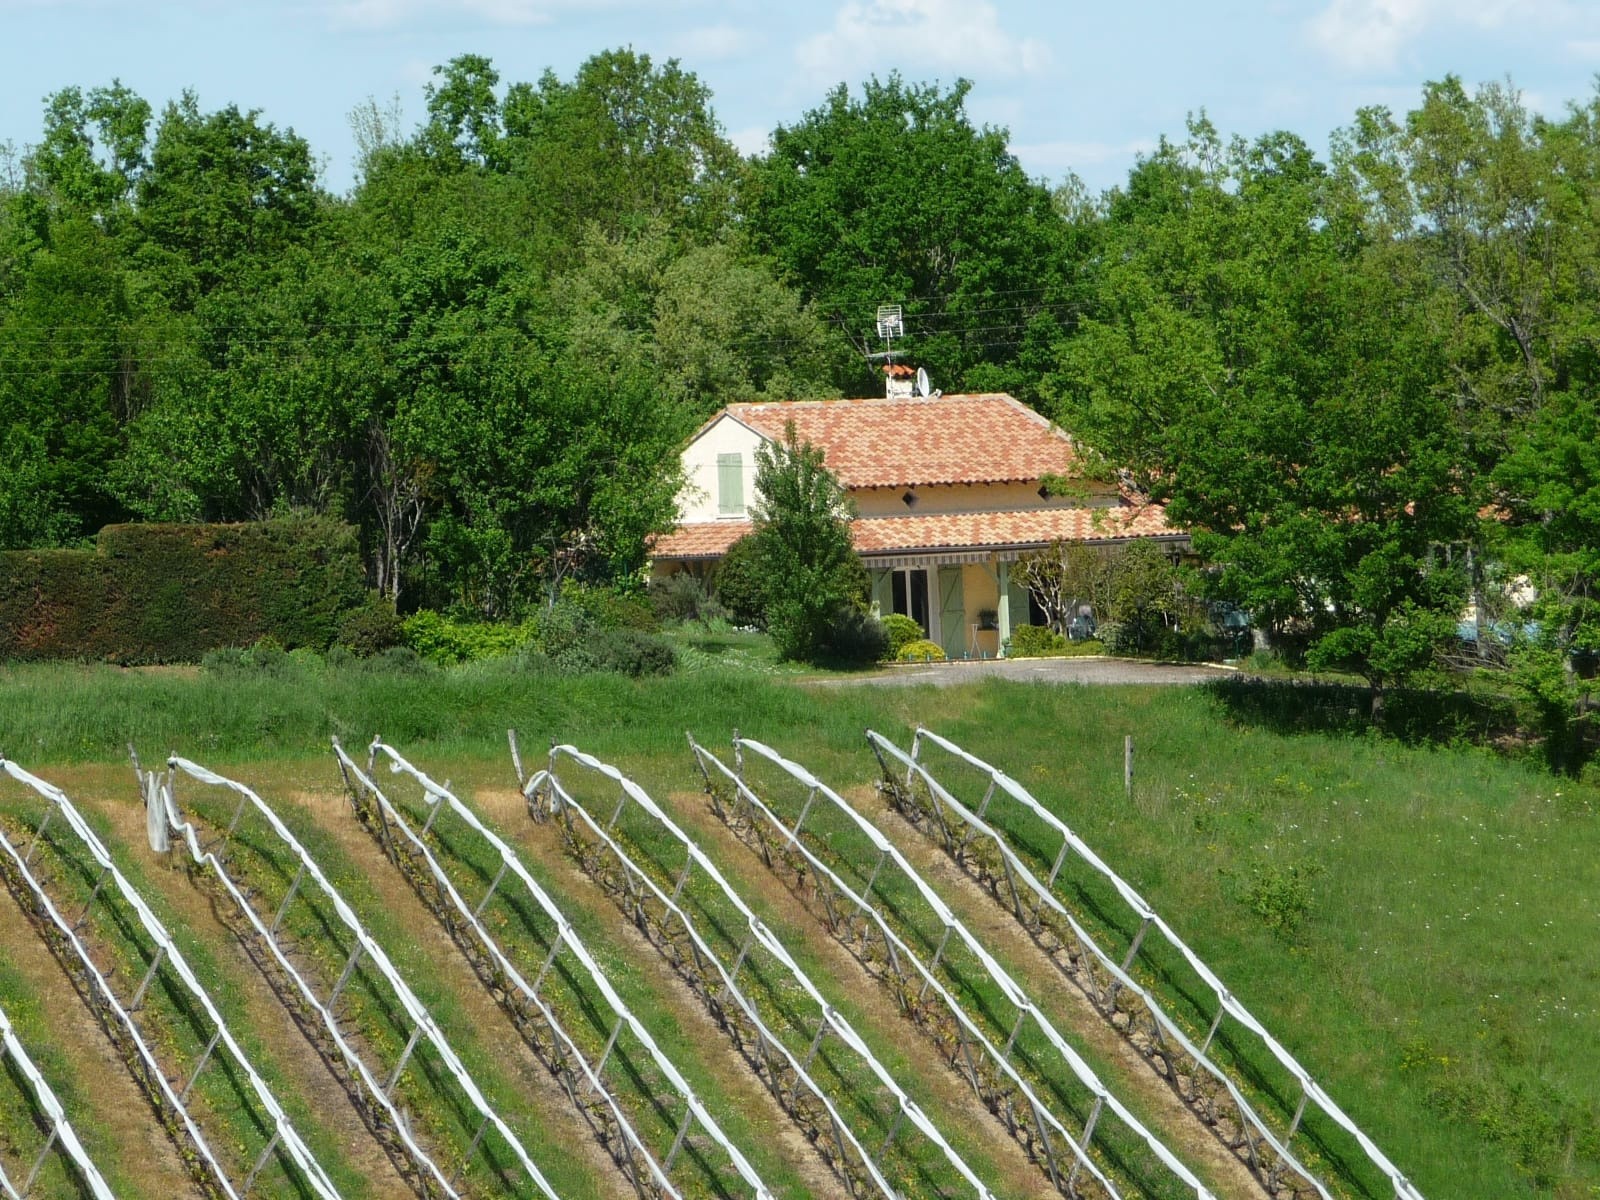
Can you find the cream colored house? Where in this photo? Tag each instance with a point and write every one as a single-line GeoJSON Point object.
{"type": "Point", "coordinates": [949, 492]}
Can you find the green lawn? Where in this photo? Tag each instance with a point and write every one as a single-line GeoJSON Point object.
{"type": "Point", "coordinates": [1417, 925]}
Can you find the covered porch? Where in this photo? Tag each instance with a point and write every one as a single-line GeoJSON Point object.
{"type": "Point", "coordinates": [966, 602]}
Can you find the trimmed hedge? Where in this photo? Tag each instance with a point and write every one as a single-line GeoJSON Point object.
{"type": "Point", "coordinates": [169, 593]}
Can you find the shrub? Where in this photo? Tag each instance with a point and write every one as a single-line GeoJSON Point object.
{"type": "Point", "coordinates": [629, 652]}
{"type": "Point", "coordinates": [170, 593]}
{"type": "Point", "coordinates": [855, 638]}
{"type": "Point", "coordinates": [266, 657]}
{"type": "Point", "coordinates": [1281, 895]}
{"type": "Point", "coordinates": [921, 650]}
{"type": "Point", "coordinates": [225, 660]}
{"type": "Point", "coordinates": [370, 629]}
{"type": "Point", "coordinates": [1036, 641]}
{"type": "Point", "coordinates": [609, 607]}
{"type": "Point", "coordinates": [739, 585]}
{"type": "Point", "coordinates": [678, 597]}
{"type": "Point", "coordinates": [902, 630]}
{"type": "Point", "coordinates": [440, 639]}
{"type": "Point", "coordinates": [400, 660]}
{"type": "Point", "coordinates": [562, 634]}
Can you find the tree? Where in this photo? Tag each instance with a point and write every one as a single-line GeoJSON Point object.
{"type": "Point", "coordinates": [626, 143]}
{"type": "Point", "coordinates": [1064, 575]}
{"type": "Point", "coordinates": [712, 328]}
{"type": "Point", "coordinates": [79, 175]}
{"type": "Point", "coordinates": [801, 531]}
{"type": "Point", "coordinates": [1279, 387]}
{"type": "Point", "coordinates": [70, 376]}
{"type": "Point", "coordinates": [1145, 595]}
{"type": "Point", "coordinates": [223, 192]}
{"type": "Point", "coordinates": [896, 196]}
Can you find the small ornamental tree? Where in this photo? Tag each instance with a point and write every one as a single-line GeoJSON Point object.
{"type": "Point", "coordinates": [1065, 574]}
{"type": "Point", "coordinates": [813, 576]}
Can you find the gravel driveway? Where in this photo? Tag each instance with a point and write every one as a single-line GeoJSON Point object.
{"type": "Point", "coordinates": [1036, 670]}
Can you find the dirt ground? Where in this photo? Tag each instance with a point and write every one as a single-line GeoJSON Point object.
{"type": "Point", "coordinates": [267, 1019]}
{"type": "Point", "coordinates": [489, 1022]}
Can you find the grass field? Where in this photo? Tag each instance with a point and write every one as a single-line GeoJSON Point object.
{"type": "Point", "coordinates": [1417, 925]}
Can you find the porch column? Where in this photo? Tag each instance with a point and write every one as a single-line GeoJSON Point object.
{"type": "Point", "coordinates": [1003, 573]}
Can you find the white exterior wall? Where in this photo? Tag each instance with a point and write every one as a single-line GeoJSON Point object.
{"type": "Point", "coordinates": [698, 499]}
{"type": "Point", "coordinates": [976, 497]}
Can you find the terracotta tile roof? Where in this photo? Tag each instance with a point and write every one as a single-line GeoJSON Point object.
{"type": "Point", "coordinates": [699, 539]}
{"type": "Point", "coordinates": [906, 442]}
{"type": "Point", "coordinates": [947, 531]}
{"type": "Point", "coordinates": [1015, 527]}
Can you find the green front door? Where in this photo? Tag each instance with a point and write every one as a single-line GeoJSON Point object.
{"type": "Point", "coordinates": [953, 629]}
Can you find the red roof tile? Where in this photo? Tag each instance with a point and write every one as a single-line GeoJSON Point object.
{"type": "Point", "coordinates": [1016, 527]}
{"type": "Point", "coordinates": [699, 539]}
{"type": "Point", "coordinates": [928, 440]}
{"type": "Point", "coordinates": [947, 531]}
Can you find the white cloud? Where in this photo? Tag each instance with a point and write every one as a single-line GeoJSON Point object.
{"type": "Point", "coordinates": [753, 139]}
{"type": "Point", "coordinates": [1369, 35]}
{"type": "Point", "coordinates": [389, 14]}
{"type": "Point", "coordinates": [1057, 156]}
{"type": "Point", "coordinates": [959, 34]}
{"type": "Point", "coordinates": [714, 43]}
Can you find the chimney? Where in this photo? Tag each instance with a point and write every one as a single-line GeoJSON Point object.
{"type": "Point", "coordinates": [900, 381]}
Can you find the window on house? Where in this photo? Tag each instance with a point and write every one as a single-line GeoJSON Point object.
{"type": "Point", "coordinates": [910, 595]}
{"type": "Point", "coordinates": [730, 485]}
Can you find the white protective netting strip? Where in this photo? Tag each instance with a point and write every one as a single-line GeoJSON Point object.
{"type": "Point", "coordinates": [832, 1020]}
{"type": "Point", "coordinates": [567, 938]}
{"type": "Point", "coordinates": [1019, 872]}
{"type": "Point", "coordinates": [1227, 1003]}
{"type": "Point", "coordinates": [1015, 994]}
{"type": "Point", "coordinates": [346, 764]}
{"type": "Point", "coordinates": [49, 1108]}
{"type": "Point", "coordinates": [167, 953]}
{"type": "Point", "coordinates": [1047, 1121]}
{"type": "Point", "coordinates": [164, 793]}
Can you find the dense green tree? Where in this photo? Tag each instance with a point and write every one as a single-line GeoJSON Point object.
{"type": "Point", "coordinates": [711, 328]}
{"type": "Point", "coordinates": [626, 143]}
{"type": "Point", "coordinates": [71, 375]}
{"type": "Point", "coordinates": [223, 192]}
{"type": "Point", "coordinates": [813, 578]}
{"type": "Point", "coordinates": [1283, 397]}
{"type": "Point", "coordinates": [896, 197]}
{"type": "Point", "coordinates": [77, 172]}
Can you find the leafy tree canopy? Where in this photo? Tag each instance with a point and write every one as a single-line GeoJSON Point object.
{"type": "Point", "coordinates": [895, 196]}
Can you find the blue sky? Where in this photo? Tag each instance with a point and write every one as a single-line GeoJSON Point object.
{"type": "Point", "coordinates": [1082, 87]}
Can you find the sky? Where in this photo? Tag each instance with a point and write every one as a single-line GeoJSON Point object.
{"type": "Point", "coordinates": [1084, 88]}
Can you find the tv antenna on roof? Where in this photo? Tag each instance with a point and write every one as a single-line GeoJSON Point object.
{"type": "Point", "coordinates": [891, 325]}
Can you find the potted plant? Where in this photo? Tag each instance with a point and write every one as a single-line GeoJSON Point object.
{"type": "Point", "coordinates": [988, 618]}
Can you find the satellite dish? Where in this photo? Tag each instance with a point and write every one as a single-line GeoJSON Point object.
{"type": "Point", "coordinates": [922, 381]}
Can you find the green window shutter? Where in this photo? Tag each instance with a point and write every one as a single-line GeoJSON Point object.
{"type": "Point", "coordinates": [1016, 599]}
{"type": "Point", "coordinates": [730, 484]}
{"type": "Point", "coordinates": [952, 612]}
